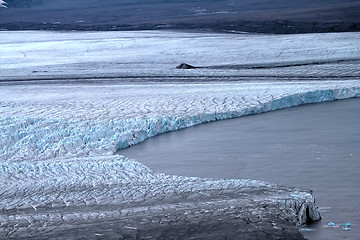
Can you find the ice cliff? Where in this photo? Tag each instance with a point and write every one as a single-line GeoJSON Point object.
{"type": "Point", "coordinates": [91, 196]}
{"type": "Point", "coordinates": [60, 178]}
{"type": "Point", "coordinates": [59, 175]}
{"type": "Point", "coordinates": [38, 138]}
{"type": "Point", "coordinates": [49, 165]}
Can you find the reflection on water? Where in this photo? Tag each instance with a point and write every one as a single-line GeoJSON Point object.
{"type": "Point", "coordinates": [313, 146]}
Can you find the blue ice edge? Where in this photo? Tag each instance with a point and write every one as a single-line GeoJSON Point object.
{"type": "Point", "coordinates": [38, 138]}
{"type": "Point", "coordinates": [156, 126]}
{"type": "Point", "coordinates": [81, 154]}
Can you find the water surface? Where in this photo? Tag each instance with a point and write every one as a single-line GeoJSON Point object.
{"type": "Point", "coordinates": [313, 146]}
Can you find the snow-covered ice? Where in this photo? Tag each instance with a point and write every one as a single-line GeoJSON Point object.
{"type": "Point", "coordinates": [58, 135]}
{"type": "Point", "coordinates": [26, 55]}
{"type": "Point", "coordinates": [47, 121]}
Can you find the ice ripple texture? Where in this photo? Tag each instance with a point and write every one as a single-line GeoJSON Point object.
{"type": "Point", "coordinates": [58, 172]}
{"type": "Point", "coordinates": [60, 178]}
{"type": "Point", "coordinates": [111, 197]}
{"type": "Point", "coordinates": [29, 137]}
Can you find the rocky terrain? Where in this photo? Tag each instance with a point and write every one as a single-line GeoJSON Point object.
{"type": "Point", "coordinates": [218, 15]}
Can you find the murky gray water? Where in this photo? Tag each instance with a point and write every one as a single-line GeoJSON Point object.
{"type": "Point", "coordinates": [313, 146]}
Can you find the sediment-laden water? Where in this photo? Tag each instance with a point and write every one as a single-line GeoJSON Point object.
{"type": "Point", "coordinates": [313, 146]}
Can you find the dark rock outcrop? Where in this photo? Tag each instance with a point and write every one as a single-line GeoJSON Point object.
{"type": "Point", "coordinates": [185, 66]}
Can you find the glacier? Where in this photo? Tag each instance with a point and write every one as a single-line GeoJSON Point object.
{"type": "Point", "coordinates": [25, 138]}
{"type": "Point", "coordinates": [49, 166]}
{"type": "Point", "coordinates": [62, 198]}
{"type": "Point", "coordinates": [46, 55]}
{"type": "Point", "coordinates": [59, 171]}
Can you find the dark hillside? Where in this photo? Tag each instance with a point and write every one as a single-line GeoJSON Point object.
{"type": "Point", "coordinates": [278, 16]}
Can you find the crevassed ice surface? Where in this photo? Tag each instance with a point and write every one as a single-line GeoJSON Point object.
{"type": "Point", "coordinates": [47, 121]}
{"type": "Point", "coordinates": [58, 135]}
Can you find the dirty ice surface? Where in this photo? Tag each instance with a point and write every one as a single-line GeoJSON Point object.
{"type": "Point", "coordinates": [69, 100]}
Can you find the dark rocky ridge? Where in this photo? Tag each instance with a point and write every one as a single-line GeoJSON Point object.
{"type": "Point", "coordinates": [264, 16]}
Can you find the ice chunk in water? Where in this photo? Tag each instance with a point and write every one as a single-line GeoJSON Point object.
{"type": "Point", "coordinates": [331, 224]}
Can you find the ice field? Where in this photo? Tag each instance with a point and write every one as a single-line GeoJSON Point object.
{"type": "Point", "coordinates": [70, 100]}
{"type": "Point", "coordinates": [136, 55]}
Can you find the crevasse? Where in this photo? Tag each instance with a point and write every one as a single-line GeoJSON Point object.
{"type": "Point", "coordinates": [38, 138]}
{"type": "Point", "coordinates": [57, 172]}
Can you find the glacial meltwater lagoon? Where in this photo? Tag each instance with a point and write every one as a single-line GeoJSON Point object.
{"type": "Point", "coordinates": [312, 146]}
{"type": "Point", "coordinates": [70, 100]}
